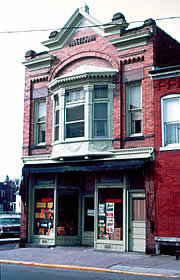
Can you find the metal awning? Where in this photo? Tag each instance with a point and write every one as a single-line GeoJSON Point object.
{"type": "Point", "coordinates": [90, 166]}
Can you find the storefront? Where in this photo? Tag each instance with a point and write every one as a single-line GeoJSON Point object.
{"type": "Point", "coordinates": [81, 208]}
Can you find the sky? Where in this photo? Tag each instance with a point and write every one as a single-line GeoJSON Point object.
{"type": "Point", "coordinates": [20, 15]}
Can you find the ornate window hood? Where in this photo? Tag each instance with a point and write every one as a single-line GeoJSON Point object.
{"type": "Point", "coordinates": [82, 73]}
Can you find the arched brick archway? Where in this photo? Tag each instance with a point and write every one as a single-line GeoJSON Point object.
{"type": "Point", "coordinates": [89, 54]}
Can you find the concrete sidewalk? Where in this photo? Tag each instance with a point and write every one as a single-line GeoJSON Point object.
{"type": "Point", "coordinates": [89, 257]}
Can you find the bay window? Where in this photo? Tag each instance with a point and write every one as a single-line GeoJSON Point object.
{"type": "Point", "coordinates": [170, 120]}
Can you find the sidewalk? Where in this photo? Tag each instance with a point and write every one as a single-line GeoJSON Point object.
{"type": "Point", "coordinates": [89, 257]}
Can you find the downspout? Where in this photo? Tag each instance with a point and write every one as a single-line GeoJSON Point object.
{"type": "Point", "coordinates": [121, 106]}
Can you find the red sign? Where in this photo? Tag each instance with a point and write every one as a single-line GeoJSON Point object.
{"type": "Point", "coordinates": [114, 200]}
{"type": "Point", "coordinates": [47, 200]}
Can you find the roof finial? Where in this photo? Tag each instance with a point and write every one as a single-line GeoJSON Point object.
{"type": "Point", "coordinates": [85, 8]}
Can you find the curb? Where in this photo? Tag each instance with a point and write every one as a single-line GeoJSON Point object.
{"type": "Point", "coordinates": [84, 268]}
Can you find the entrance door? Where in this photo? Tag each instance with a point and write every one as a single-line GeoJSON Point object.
{"type": "Point", "coordinates": [137, 223]}
{"type": "Point", "coordinates": [88, 220]}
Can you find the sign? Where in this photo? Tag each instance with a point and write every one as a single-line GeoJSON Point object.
{"type": "Point", "coordinates": [109, 225]}
{"type": "Point", "coordinates": [90, 212]}
{"type": "Point", "coordinates": [109, 209]}
{"type": "Point", "coordinates": [82, 40]}
{"type": "Point", "coordinates": [102, 209]}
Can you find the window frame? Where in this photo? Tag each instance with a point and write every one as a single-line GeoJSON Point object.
{"type": "Point", "coordinates": [37, 123]}
{"type": "Point", "coordinates": [129, 111]}
{"type": "Point", "coordinates": [73, 104]}
{"type": "Point", "coordinates": [101, 100]}
{"type": "Point", "coordinates": [56, 125]}
{"type": "Point", "coordinates": [173, 146]}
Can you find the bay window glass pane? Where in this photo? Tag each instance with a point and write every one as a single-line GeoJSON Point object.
{"type": "Point", "coordinates": [74, 96]}
{"type": "Point", "coordinates": [75, 130]}
{"type": "Point", "coordinates": [110, 214]}
{"type": "Point", "coordinates": [75, 113]}
{"type": "Point", "coordinates": [101, 92]}
{"type": "Point", "coordinates": [56, 136]}
{"type": "Point", "coordinates": [100, 120]}
{"type": "Point", "coordinates": [44, 212]}
{"type": "Point", "coordinates": [67, 224]}
{"type": "Point", "coordinates": [57, 117]}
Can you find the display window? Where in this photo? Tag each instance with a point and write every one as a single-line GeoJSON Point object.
{"type": "Point", "coordinates": [110, 214]}
{"type": "Point", "coordinates": [44, 212]}
{"type": "Point", "coordinates": [67, 224]}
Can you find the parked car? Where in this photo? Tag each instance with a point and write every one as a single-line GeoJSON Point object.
{"type": "Point", "coordinates": [10, 226]}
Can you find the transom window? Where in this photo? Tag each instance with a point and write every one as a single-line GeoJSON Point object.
{"type": "Point", "coordinates": [74, 115]}
{"type": "Point", "coordinates": [170, 120]}
{"type": "Point", "coordinates": [134, 117]}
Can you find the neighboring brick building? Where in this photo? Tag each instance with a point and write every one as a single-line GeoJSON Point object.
{"type": "Point", "coordinates": [7, 196]}
{"type": "Point", "coordinates": [88, 149]}
{"type": "Point", "coordinates": [167, 156]}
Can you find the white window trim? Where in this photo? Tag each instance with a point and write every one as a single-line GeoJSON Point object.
{"type": "Point", "coordinates": [170, 146]}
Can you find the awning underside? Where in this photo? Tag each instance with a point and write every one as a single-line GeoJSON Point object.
{"type": "Point", "coordinates": [94, 166]}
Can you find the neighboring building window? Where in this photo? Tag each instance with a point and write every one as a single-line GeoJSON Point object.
{"type": "Point", "coordinates": [40, 124]}
{"type": "Point", "coordinates": [100, 112]}
{"type": "Point", "coordinates": [56, 118]}
{"type": "Point", "coordinates": [74, 114]}
{"type": "Point", "coordinates": [134, 123]}
{"type": "Point", "coordinates": [170, 120]}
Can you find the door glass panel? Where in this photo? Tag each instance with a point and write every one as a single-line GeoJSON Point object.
{"type": "Point", "coordinates": [110, 214]}
{"type": "Point", "coordinates": [89, 214]}
{"type": "Point", "coordinates": [138, 209]}
{"type": "Point", "coordinates": [67, 212]}
{"type": "Point", "coordinates": [44, 212]}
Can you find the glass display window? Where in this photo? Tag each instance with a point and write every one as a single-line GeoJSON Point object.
{"type": "Point", "coordinates": [44, 212]}
{"type": "Point", "coordinates": [67, 224]}
{"type": "Point", "coordinates": [110, 213]}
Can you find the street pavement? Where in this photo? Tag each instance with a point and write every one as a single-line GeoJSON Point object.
{"type": "Point", "coordinates": [88, 258]}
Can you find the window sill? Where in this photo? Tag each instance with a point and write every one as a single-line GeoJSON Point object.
{"type": "Point", "coordinates": [134, 137]}
{"type": "Point", "coordinates": [170, 148]}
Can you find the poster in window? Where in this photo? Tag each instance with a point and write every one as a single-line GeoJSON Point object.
{"type": "Point", "coordinates": [109, 225]}
{"type": "Point", "coordinates": [109, 209]}
{"type": "Point", "coordinates": [102, 209]}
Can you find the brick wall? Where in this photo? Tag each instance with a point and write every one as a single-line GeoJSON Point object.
{"type": "Point", "coordinates": [167, 168]}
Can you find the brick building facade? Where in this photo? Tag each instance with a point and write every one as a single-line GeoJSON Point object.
{"type": "Point", "coordinates": [167, 158]}
{"type": "Point", "coordinates": [89, 135]}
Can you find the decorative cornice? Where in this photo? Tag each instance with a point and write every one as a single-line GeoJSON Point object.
{"type": "Point", "coordinates": [92, 73]}
{"type": "Point", "coordinates": [39, 63]}
{"type": "Point", "coordinates": [123, 154]}
{"type": "Point", "coordinates": [133, 40]}
{"type": "Point", "coordinates": [134, 153]}
{"type": "Point", "coordinates": [165, 72]}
